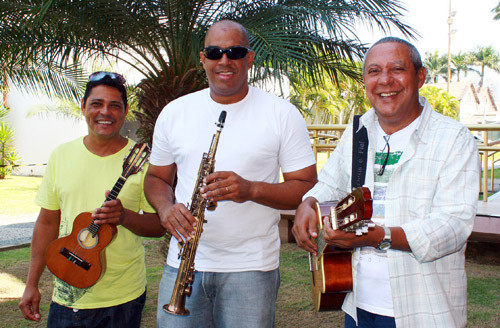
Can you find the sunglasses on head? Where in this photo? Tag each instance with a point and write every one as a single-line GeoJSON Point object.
{"type": "Point", "coordinates": [97, 76]}
{"type": "Point", "coordinates": [215, 53]}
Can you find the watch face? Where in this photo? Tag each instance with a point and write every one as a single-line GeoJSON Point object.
{"type": "Point", "coordinates": [384, 245]}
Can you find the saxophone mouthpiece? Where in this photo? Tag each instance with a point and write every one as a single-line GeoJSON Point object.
{"type": "Point", "coordinates": [222, 119]}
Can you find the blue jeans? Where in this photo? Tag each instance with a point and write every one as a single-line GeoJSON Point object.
{"type": "Point", "coordinates": [123, 315]}
{"type": "Point", "coordinates": [369, 320]}
{"type": "Point", "coordinates": [218, 299]}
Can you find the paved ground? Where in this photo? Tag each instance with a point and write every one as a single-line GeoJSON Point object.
{"type": "Point", "coordinates": [16, 231]}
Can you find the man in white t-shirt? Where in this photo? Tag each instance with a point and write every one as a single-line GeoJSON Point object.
{"type": "Point", "coordinates": [236, 277]}
{"type": "Point", "coordinates": [423, 170]}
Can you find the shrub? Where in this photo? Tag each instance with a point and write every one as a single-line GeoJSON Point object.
{"type": "Point", "coordinates": [8, 156]}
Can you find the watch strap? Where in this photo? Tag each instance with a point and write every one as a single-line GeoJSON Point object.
{"type": "Point", "coordinates": [386, 241]}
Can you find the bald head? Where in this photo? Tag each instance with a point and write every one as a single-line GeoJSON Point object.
{"type": "Point", "coordinates": [225, 26]}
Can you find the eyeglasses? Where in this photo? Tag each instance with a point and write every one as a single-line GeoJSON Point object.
{"type": "Point", "coordinates": [215, 53]}
{"type": "Point", "coordinates": [98, 76]}
{"type": "Point", "coordinates": [382, 168]}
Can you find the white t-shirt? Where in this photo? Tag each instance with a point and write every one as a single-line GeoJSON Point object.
{"type": "Point", "coordinates": [262, 133]}
{"type": "Point", "coordinates": [373, 289]}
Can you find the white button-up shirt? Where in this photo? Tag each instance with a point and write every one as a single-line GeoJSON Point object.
{"type": "Point", "coordinates": [433, 196]}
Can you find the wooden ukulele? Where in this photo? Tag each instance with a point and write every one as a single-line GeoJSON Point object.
{"type": "Point", "coordinates": [331, 268]}
{"type": "Point", "coordinates": [79, 258]}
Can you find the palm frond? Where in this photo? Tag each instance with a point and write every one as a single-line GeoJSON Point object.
{"type": "Point", "coordinates": [161, 39]}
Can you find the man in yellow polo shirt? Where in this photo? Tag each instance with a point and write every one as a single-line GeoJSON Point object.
{"type": "Point", "coordinates": [76, 179]}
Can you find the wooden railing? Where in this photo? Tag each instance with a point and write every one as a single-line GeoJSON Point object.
{"type": "Point", "coordinates": [324, 138]}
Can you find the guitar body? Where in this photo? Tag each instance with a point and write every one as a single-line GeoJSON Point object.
{"type": "Point", "coordinates": [331, 269]}
{"type": "Point", "coordinates": [79, 258]}
{"type": "Point", "coordinates": [331, 278]}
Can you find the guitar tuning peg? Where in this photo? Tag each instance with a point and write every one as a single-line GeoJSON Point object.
{"type": "Point", "coordinates": [371, 225]}
{"type": "Point", "coordinates": [359, 232]}
{"type": "Point", "coordinates": [364, 229]}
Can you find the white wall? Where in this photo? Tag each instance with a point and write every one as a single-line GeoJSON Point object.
{"type": "Point", "coordinates": [36, 137]}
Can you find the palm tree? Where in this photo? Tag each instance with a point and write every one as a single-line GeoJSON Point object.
{"type": "Point", "coordinates": [437, 66]}
{"type": "Point", "coordinates": [485, 57]}
{"type": "Point", "coordinates": [162, 39]}
{"type": "Point", "coordinates": [461, 61]}
{"type": "Point", "coordinates": [496, 11]}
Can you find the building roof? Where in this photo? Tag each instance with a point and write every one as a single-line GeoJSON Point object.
{"type": "Point", "coordinates": [484, 94]}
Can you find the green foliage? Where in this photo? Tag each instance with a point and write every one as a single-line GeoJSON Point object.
{"type": "Point", "coordinates": [334, 102]}
{"type": "Point", "coordinates": [441, 101]}
{"type": "Point", "coordinates": [162, 39]}
{"type": "Point", "coordinates": [496, 11]}
{"type": "Point", "coordinates": [8, 156]}
{"type": "Point", "coordinates": [3, 111]}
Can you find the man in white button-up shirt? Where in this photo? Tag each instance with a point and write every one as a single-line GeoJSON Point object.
{"type": "Point", "coordinates": [423, 170]}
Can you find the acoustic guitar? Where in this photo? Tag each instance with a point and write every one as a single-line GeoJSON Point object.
{"type": "Point", "coordinates": [331, 269]}
{"type": "Point", "coordinates": [79, 258]}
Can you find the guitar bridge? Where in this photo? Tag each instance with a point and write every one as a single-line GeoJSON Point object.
{"type": "Point", "coordinates": [72, 257]}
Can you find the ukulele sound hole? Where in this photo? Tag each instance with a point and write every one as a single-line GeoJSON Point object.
{"type": "Point", "coordinates": [75, 259]}
{"type": "Point", "coordinates": [86, 239]}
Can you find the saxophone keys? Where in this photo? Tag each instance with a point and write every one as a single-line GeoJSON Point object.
{"type": "Point", "coordinates": [180, 245]}
{"type": "Point", "coordinates": [211, 206]}
{"type": "Point", "coordinates": [188, 290]}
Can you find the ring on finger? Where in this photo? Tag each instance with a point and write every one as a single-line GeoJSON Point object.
{"type": "Point", "coordinates": [227, 189]}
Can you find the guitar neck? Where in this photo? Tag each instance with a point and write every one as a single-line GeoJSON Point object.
{"type": "Point", "coordinates": [113, 194]}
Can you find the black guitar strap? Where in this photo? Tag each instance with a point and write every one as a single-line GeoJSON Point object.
{"type": "Point", "coordinates": [359, 154]}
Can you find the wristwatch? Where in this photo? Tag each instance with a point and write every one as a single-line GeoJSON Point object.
{"type": "Point", "coordinates": [386, 243]}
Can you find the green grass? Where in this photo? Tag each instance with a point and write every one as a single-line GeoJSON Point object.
{"type": "Point", "coordinates": [17, 194]}
{"type": "Point", "coordinates": [484, 292]}
{"type": "Point", "coordinates": [294, 306]}
{"type": "Point", "coordinates": [16, 255]}
{"type": "Point", "coordinates": [496, 173]}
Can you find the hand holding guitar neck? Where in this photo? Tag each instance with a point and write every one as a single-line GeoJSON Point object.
{"type": "Point", "coordinates": [111, 212]}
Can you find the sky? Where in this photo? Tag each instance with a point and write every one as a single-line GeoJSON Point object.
{"type": "Point", "coordinates": [473, 24]}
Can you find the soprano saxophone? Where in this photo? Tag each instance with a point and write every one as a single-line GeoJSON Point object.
{"type": "Point", "coordinates": [185, 275]}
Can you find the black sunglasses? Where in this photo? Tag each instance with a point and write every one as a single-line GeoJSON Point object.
{"type": "Point", "coordinates": [97, 76]}
{"type": "Point", "coordinates": [215, 53]}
